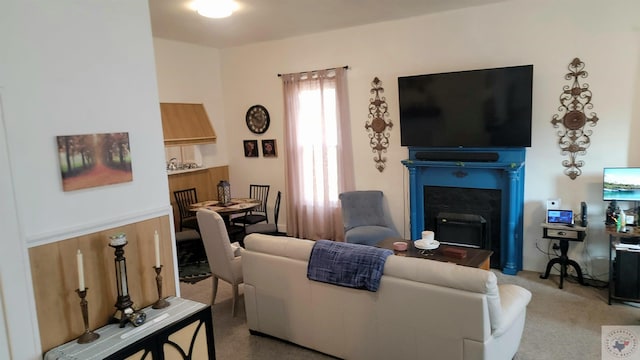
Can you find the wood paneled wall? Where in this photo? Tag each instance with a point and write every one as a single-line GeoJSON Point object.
{"type": "Point", "coordinates": [205, 182]}
{"type": "Point", "coordinates": [55, 278]}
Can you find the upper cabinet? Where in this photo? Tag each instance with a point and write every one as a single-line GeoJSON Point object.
{"type": "Point", "coordinates": [186, 124]}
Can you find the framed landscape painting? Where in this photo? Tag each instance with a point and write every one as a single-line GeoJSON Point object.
{"type": "Point", "coordinates": [94, 160]}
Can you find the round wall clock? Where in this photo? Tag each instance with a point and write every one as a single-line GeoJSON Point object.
{"type": "Point", "coordinates": [257, 119]}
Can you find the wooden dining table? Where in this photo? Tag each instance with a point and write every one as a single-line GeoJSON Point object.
{"type": "Point", "coordinates": [236, 206]}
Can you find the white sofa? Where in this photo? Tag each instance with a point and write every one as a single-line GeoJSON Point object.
{"type": "Point", "coordinates": [423, 309]}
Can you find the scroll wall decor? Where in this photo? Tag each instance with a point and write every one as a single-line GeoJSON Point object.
{"type": "Point", "coordinates": [378, 113]}
{"type": "Point", "coordinates": [574, 139]}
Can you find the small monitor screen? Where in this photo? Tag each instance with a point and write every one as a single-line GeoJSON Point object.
{"type": "Point", "coordinates": [560, 217]}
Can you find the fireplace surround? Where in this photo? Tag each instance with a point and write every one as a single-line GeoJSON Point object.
{"type": "Point", "coordinates": [470, 168]}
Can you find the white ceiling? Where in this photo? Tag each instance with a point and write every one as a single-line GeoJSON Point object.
{"type": "Point", "coordinates": [264, 20]}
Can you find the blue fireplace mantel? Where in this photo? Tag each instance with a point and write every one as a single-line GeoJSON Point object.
{"type": "Point", "coordinates": [506, 174]}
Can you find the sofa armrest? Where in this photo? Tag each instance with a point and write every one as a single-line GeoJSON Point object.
{"type": "Point", "coordinates": [514, 300]}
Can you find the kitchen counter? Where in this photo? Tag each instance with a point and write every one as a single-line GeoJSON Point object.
{"type": "Point", "coordinates": [174, 172]}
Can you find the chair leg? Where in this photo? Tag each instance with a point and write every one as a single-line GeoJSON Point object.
{"type": "Point", "coordinates": [235, 300]}
{"type": "Point", "coordinates": [215, 289]}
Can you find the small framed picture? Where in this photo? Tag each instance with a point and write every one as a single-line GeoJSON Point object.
{"type": "Point", "coordinates": [250, 148]}
{"type": "Point", "coordinates": [269, 148]}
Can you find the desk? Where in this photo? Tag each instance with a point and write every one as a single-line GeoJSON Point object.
{"type": "Point", "coordinates": [564, 233]}
{"type": "Point", "coordinates": [185, 326]}
{"type": "Point", "coordinates": [478, 258]}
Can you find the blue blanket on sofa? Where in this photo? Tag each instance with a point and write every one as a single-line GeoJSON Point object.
{"type": "Point", "coordinates": [352, 265]}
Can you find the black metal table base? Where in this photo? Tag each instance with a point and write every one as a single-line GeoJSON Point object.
{"type": "Point", "coordinates": [564, 262]}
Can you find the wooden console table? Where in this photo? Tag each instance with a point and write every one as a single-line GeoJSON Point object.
{"type": "Point", "coordinates": [184, 330]}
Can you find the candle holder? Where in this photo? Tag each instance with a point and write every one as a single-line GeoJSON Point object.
{"type": "Point", "coordinates": [161, 303]}
{"type": "Point", "coordinates": [88, 335]}
{"type": "Point", "coordinates": [125, 311]}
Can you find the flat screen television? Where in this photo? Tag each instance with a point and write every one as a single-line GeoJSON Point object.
{"type": "Point", "coordinates": [475, 108]}
{"type": "Point", "coordinates": [622, 184]}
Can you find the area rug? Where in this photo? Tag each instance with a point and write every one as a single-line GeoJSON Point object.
{"type": "Point", "coordinates": [192, 262]}
{"type": "Point", "coordinates": [194, 272]}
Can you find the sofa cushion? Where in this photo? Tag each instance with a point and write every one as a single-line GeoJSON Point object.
{"type": "Point", "coordinates": [369, 235]}
{"type": "Point", "coordinates": [449, 275]}
{"type": "Point", "coordinates": [289, 247]}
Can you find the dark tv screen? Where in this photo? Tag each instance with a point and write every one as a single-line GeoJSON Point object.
{"type": "Point", "coordinates": [622, 184]}
{"type": "Point", "coordinates": [476, 108]}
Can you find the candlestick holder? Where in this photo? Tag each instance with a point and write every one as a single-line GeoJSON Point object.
{"type": "Point", "coordinates": [124, 305]}
{"type": "Point", "coordinates": [161, 303]}
{"type": "Point", "coordinates": [88, 335]}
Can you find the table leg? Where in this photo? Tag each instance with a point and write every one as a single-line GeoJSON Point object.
{"type": "Point", "coordinates": [563, 261]}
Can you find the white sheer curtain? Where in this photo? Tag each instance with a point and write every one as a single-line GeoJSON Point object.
{"type": "Point", "coordinates": [319, 159]}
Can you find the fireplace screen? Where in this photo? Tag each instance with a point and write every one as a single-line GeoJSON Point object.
{"type": "Point", "coordinates": [462, 229]}
{"type": "Point", "coordinates": [473, 217]}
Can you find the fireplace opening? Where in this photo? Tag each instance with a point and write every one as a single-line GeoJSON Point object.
{"type": "Point", "coordinates": [462, 229]}
{"type": "Point", "coordinates": [473, 217]}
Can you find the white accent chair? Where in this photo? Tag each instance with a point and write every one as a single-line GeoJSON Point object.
{"type": "Point", "coordinates": [220, 254]}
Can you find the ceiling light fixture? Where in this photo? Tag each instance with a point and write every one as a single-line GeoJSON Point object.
{"type": "Point", "coordinates": [215, 8]}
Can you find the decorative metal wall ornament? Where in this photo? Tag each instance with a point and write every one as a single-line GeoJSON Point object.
{"type": "Point", "coordinates": [573, 138]}
{"type": "Point", "coordinates": [379, 139]}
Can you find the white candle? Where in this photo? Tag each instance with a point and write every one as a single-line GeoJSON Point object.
{"type": "Point", "coordinates": [157, 243]}
{"type": "Point", "coordinates": [80, 271]}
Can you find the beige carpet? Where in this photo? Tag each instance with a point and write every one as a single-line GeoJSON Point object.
{"type": "Point", "coordinates": [561, 323]}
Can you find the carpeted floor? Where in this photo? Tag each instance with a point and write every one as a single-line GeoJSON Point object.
{"type": "Point", "coordinates": [561, 323]}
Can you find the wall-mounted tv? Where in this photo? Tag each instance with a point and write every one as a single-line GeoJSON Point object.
{"type": "Point", "coordinates": [622, 184]}
{"type": "Point", "coordinates": [475, 108]}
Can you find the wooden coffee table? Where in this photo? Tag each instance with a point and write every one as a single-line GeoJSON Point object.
{"type": "Point", "coordinates": [478, 258]}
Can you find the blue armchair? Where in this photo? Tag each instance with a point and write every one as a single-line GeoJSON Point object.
{"type": "Point", "coordinates": [365, 221]}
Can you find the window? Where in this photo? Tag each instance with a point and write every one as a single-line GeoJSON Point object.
{"type": "Point", "coordinates": [318, 144]}
{"type": "Point", "coordinates": [319, 162]}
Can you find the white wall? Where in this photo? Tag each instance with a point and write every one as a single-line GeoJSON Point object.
{"type": "Point", "coordinates": [22, 337]}
{"type": "Point", "coordinates": [69, 67]}
{"type": "Point", "coordinates": [547, 34]}
{"type": "Point", "coordinates": [191, 74]}
{"type": "Point", "coordinates": [71, 71]}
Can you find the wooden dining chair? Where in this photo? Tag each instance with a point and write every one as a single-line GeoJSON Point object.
{"type": "Point", "coordinates": [259, 213]}
{"type": "Point", "coordinates": [268, 228]}
{"type": "Point", "coordinates": [184, 199]}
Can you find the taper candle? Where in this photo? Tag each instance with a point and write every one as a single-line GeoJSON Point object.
{"type": "Point", "coordinates": [157, 243]}
{"type": "Point", "coordinates": [80, 271]}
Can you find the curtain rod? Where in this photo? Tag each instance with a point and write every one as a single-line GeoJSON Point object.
{"type": "Point", "coordinates": [346, 67]}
